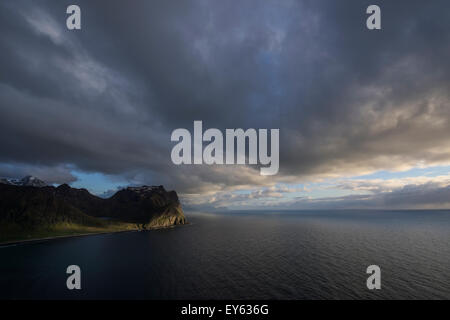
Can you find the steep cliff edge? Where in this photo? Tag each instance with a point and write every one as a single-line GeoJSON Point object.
{"type": "Point", "coordinates": [151, 207]}
{"type": "Point", "coordinates": [26, 209]}
{"type": "Point", "coordinates": [146, 206]}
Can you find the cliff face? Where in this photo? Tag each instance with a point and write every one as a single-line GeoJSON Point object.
{"type": "Point", "coordinates": [148, 207]}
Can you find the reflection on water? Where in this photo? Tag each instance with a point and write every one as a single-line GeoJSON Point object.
{"type": "Point", "coordinates": [302, 255]}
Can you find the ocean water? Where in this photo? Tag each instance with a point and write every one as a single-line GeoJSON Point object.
{"type": "Point", "coordinates": [251, 255]}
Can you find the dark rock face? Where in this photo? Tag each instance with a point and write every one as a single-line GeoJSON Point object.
{"type": "Point", "coordinates": [149, 207]}
{"type": "Point", "coordinates": [36, 207]}
{"type": "Point", "coordinates": [82, 199]}
{"type": "Point", "coordinates": [137, 202]}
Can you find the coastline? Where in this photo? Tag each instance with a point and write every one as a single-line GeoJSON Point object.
{"type": "Point", "coordinates": [25, 241]}
{"type": "Point", "coordinates": [35, 240]}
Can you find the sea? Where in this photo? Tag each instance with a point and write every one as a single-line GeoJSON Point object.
{"type": "Point", "coordinates": [284, 255]}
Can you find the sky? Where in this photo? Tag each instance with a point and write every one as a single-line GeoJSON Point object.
{"type": "Point", "coordinates": [364, 115]}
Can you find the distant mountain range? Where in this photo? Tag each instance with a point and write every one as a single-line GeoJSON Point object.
{"type": "Point", "coordinates": [30, 204]}
{"type": "Point", "coordinates": [28, 181]}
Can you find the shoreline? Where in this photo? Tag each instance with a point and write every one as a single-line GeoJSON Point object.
{"type": "Point", "coordinates": [34, 240]}
{"type": "Point", "coordinates": [26, 241]}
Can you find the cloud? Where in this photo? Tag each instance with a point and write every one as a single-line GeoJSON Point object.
{"type": "Point", "coordinates": [389, 185]}
{"type": "Point", "coordinates": [49, 174]}
{"type": "Point", "coordinates": [421, 192]}
{"type": "Point", "coordinates": [105, 99]}
{"type": "Point", "coordinates": [428, 196]}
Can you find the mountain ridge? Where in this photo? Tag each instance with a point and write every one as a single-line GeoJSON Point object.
{"type": "Point", "coordinates": [29, 181]}
{"type": "Point", "coordinates": [30, 206]}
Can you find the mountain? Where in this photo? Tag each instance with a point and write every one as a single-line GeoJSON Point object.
{"type": "Point", "coordinates": [35, 207]}
{"type": "Point", "coordinates": [146, 206]}
{"type": "Point", "coordinates": [29, 207]}
{"type": "Point", "coordinates": [29, 181]}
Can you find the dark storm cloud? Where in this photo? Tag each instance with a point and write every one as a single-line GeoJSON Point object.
{"type": "Point", "coordinates": [106, 98]}
{"type": "Point", "coordinates": [50, 174]}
